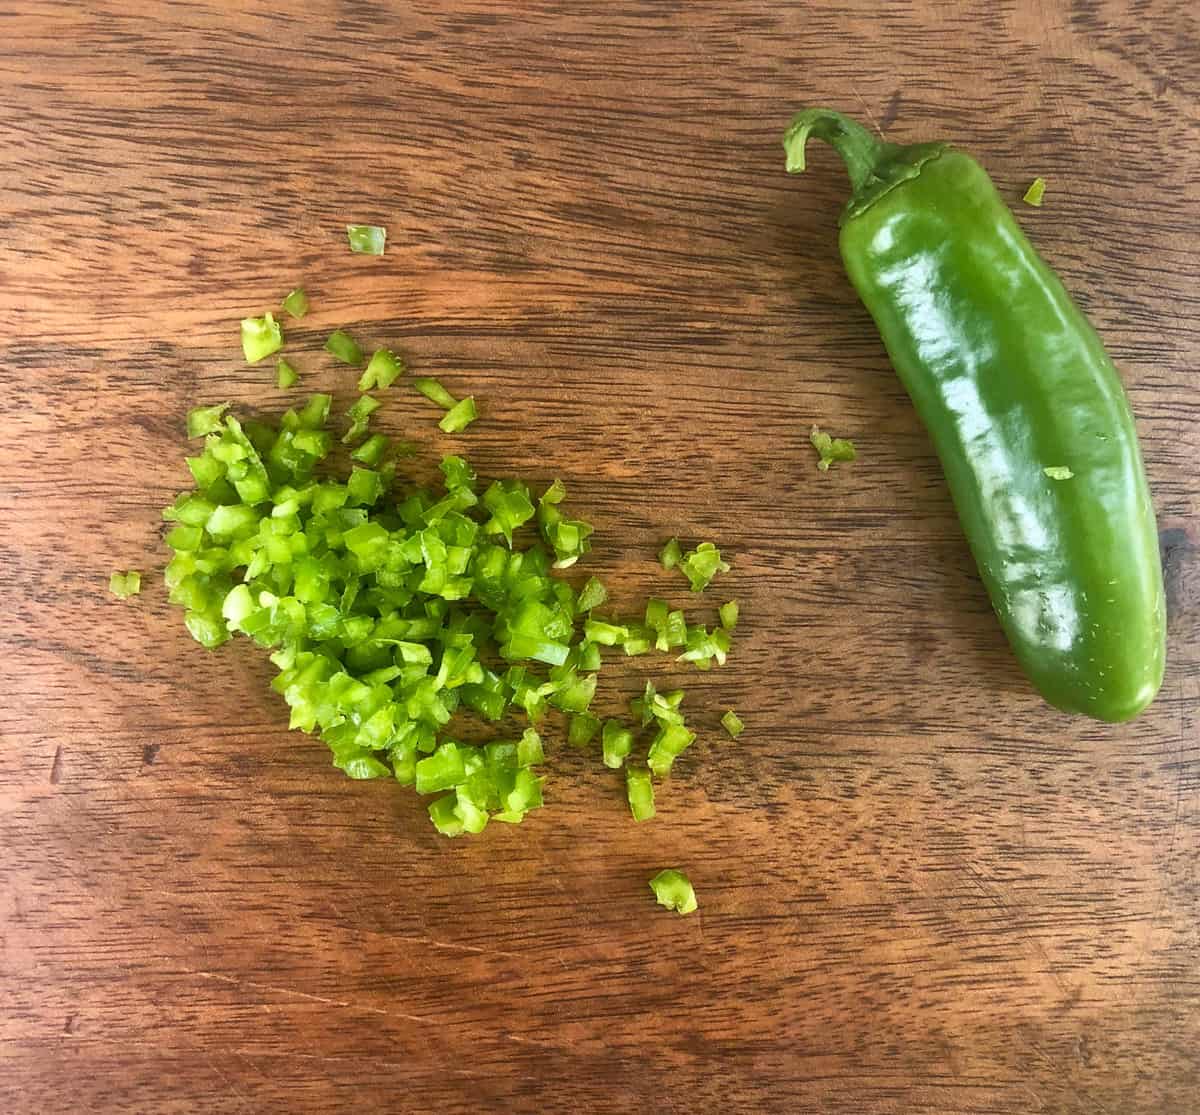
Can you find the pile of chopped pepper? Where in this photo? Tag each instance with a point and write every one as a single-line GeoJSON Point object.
{"type": "Point", "coordinates": [389, 611]}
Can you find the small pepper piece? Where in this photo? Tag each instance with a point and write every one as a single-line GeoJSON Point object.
{"type": "Point", "coordinates": [383, 369]}
{"type": "Point", "coordinates": [639, 789]}
{"type": "Point", "coordinates": [344, 347]}
{"type": "Point", "coordinates": [616, 741]}
{"type": "Point", "coordinates": [442, 770]}
{"type": "Point", "coordinates": [702, 564]}
{"type": "Point", "coordinates": [261, 336]}
{"type": "Point", "coordinates": [592, 595]}
{"type": "Point", "coordinates": [582, 729]}
{"type": "Point", "coordinates": [830, 449]}
{"type": "Point", "coordinates": [597, 630]}
{"type": "Point", "coordinates": [1037, 190]}
{"type": "Point", "coordinates": [434, 392]}
{"type": "Point", "coordinates": [732, 723]}
{"type": "Point", "coordinates": [125, 585]}
{"type": "Point", "coordinates": [674, 890]}
{"type": "Point", "coordinates": [285, 375]}
{"type": "Point", "coordinates": [459, 416]}
{"type": "Point", "coordinates": [367, 240]}
{"type": "Point", "coordinates": [296, 303]}
{"type": "Point", "coordinates": [202, 421]}
{"type": "Point", "coordinates": [360, 415]}
{"type": "Point", "coordinates": [372, 450]}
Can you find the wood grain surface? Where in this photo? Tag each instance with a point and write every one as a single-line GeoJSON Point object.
{"type": "Point", "coordinates": [921, 889]}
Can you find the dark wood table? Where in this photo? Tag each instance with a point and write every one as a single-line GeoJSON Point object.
{"type": "Point", "coordinates": [921, 889]}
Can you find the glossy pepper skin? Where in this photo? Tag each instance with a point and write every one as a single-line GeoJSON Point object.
{"type": "Point", "coordinates": [1010, 379]}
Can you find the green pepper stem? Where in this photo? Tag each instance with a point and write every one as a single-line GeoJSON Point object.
{"type": "Point", "coordinates": [875, 166]}
{"type": "Point", "coordinates": [859, 150]}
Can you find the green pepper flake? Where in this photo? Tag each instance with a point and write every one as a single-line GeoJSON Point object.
{"type": "Point", "coordinates": [1058, 472]}
{"type": "Point", "coordinates": [344, 347]}
{"type": "Point", "coordinates": [459, 416]}
{"type": "Point", "coordinates": [367, 239]}
{"type": "Point", "coordinates": [383, 369]}
{"type": "Point", "coordinates": [639, 789]}
{"type": "Point", "coordinates": [616, 741]}
{"type": "Point", "coordinates": [386, 618]}
{"type": "Point", "coordinates": [1035, 193]}
{"type": "Point", "coordinates": [360, 416]}
{"type": "Point", "coordinates": [597, 630]}
{"type": "Point", "coordinates": [729, 615]}
{"type": "Point", "coordinates": [442, 770]}
{"type": "Point", "coordinates": [732, 723]}
{"type": "Point", "coordinates": [372, 450]}
{"type": "Point", "coordinates": [670, 554]}
{"type": "Point", "coordinates": [582, 729]}
{"type": "Point", "coordinates": [592, 595]}
{"type": "Point", "coordinates": [296, 303]}
{"type": "Point", "coordinates": [674, 890]}
{"type": "Point", "coordinates": [261, 336]}
{"type": "Point", "coordinates": [529, 749]}
{"type": "Point", "coordinates": [701, 565]}
{"type": "Point", "coordinates": [830, 449]}
{"type": "Point", "coordinates": [125, 585]}
{"type": "Point", "coordinates": [202, 421]}
{"type": "Point", "coordinates": [285, 375]}
{"type": "Point", "coordinates": [435, 392]}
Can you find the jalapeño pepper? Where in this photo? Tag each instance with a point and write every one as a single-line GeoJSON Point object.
{"type": "Point", "coordinates": [1024, 408]}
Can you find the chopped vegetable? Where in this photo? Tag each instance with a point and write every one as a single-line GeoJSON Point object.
{"type": "Point", "coordinates": [435, 392]}
{"type": "Point", "coordinates": [285, 375]}
{"type": "Point", "coordinates": [344, 347]}
{"type": "Point", "coordinates": [372, 450]}
{"type": "Point", "coordinates": [1058, 472]}
{"type": "Point", "coordinates": [261, 336]}
{"type": "Point", "coordinates": [616, 741]}
{"type": "Point", "coordinates": [732, 723]}
{"type": "Point", "coordinates": [830, 449]}
{"type": "Point", "coordinates": [672, 740]}
{"type": "Point", "coordinates": [582, 729]}
{"type": "Point", "coordinates": [673, 889]}
{"type": "Point", "coordinates": [637, 641]}
{"type": "Point", "coordinates": [367, 239]}
{"type": "Point", "coordinates": [529, 749]}
{"type": "Point", "coordinates": [296, 303]}
{"type": "Point", "coordinates": [202, 421]}
{"type": "Point", "coordinates": [360, 416]}
{"type": "Point", "coordinates": [702, 646]}
{"type": "Point", "coordinates": [701, 565]}
{"type": "Point", "coordinates": [639, 789]}
{"type": "Point", "coordinates": [670, 554]}
{"type": "Point", "coordinates": [592, 595]}
{"type": "Point", "coordinates": [729, 615]}
{"type": "Point", "coordinates": [125, 585]}
{"type": "Point", "coordinates": [509, 503]}
{"type": "Point", "coordinates": [442, 770]}
{"type": "Point", "coordinates": [652, 705]}
{"type": "Point", "coordinates": [1035, 193]}
{"type": "Point", "coordinates": [383, 369]}
{"type": "Point", "coordinates": [568, 538]}
{"type": "Point", "coordinates": [606, 634]}
{"type": "Point", "coordinates": [388, 613]}
{"type": "Point", "coordinates": [459, 416]}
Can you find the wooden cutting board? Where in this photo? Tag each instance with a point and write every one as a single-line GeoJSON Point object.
{"type": "Point", "coordinates": [921, 890]}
